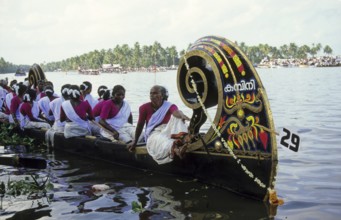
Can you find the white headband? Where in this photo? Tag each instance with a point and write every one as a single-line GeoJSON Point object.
{"type": "Point", "coordinates": [65, 91]}
{"type": "Point", "coordinates": [69, 92]}
{"type": "Point", "coordinates": [16, 88]}
{"type": "Point", "coordinates": [85, 86]}
{"type": "Point", "coordinates": [75, 92]}
{"type": "Point", "coordinates": [49, 90]}
{"type": "Point", "coordinates": [27, 97]}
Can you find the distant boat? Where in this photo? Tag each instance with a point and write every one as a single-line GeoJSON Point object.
{"type": "Point", "coordinates": [20, 72]}
{"type": "Point", "coordinates": [88, 71]}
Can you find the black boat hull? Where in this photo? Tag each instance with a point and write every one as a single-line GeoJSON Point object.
{"type": "Point", "coordinates": [213, 168]}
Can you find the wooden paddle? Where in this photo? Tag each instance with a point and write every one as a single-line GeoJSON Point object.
{"type": "Point", "coordinates": [22, 161]}
{"type": "Point", "coordinates": [99, 125]}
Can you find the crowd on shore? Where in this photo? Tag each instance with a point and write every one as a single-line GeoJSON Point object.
{"type": "Point", "coordinates": [324, 61]}
{"type": "Point", "coordinates": [76, 112]}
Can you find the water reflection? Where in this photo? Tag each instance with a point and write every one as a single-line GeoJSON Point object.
{"type": "Point", "coordinates": [161, 196]}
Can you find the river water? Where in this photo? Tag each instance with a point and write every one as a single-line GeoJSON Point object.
{"type": "Point", "coordinates": [303, 100]}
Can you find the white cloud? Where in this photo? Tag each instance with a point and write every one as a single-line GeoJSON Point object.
{"type": "Point", "coordinates": [39, 30]}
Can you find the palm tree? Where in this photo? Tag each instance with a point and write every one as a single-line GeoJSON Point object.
{"type": "Point", "coordinates": [163, 57]}
{"type": "Point", "coordinates": [243, 47]}
{"type": "Point", "coordinates": [146, 58]}
{"type": "Point", "coordinates": [173, 53]}
{"type": "Point", "coordinates": [284, 51]}
{"type": "Point", "coordinates": [327, 50]}
{"type": "Point", "coordinates": [156, 52]}
{"type": "Point", "coordinates": [292, 50]}
{"type": "Point", "coordinates": [137, 55]}
{"type": "Point", "coordinates": [109, 57]}
{"type": "Point", "coordinates": [126, 55]}
{"type": "Point", "coordinates": [315, 49]}
{"type": "Point", "coordinates": [303, 52]}
{"type": "Point", "coordinates": [118, 54]}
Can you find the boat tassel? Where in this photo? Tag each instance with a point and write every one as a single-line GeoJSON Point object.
{"type": "Point", "coordinates": [273, 199]}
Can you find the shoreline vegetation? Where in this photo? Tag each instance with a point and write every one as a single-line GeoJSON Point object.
{"type": "Point", "coordinates": [323, 61]}
{"type": "Point", "coordinates": [155, 58]}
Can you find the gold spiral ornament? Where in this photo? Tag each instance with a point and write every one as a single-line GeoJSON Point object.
{"type": "Point", "coordinates": [35, 74]}
{"type": "Point", "coordinates": [226, 80]}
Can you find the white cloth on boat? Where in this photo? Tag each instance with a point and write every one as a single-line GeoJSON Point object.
{"type": "Point", "coordinates": [8, 100]}
{"type": "Point", "coordinates": [126, 133]}
{"type": "Point", "coordinates": [120, 123]}
{"type": "Point", "coordinates": [37, 124]}
{"type": "Point", "coordinates": [3, 93]}
{"type": "Point", "coordinates": [72, 129]}
{"type": "Point", "coordinates": [44, 105]}
{"type": "Point", "coordinates": [73, 116]}
{"type": "Point", "coordinates": [159, 143]}
{"type": "Point", "coordinates": [91, 100]}
{"type": "Point", "coordinates": [157, 118]}
{"type": "Point", "coordinates": [58, 126]}
{"type": "Point", "coordinates": [55, 106]}
{"type": "Point", "coordinates": [77, 126]}
{"type": "Point", "coordinates": [121, 118]}
{"type": "Point", "coordinates": [49, 137]}
{"type": "Point", "coordinates": [4, 116]}
{"type": "Point", "coordinates": [17, 114]}
{"type": "Point", "coordinates": [25, 121]}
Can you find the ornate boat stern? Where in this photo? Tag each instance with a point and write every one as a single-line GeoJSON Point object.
{"type": "Point", "coordinates": [215, 73]}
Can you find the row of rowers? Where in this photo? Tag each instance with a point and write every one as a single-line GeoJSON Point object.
{"type": "Point", "coordinates": [77, 113]}
{"type": "Point", "coordinates": [71, 113]}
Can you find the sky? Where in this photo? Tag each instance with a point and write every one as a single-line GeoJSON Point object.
{"type": "Point", "coordinates": [38, 31]}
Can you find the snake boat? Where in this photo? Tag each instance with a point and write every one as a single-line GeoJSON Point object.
{"type": "Point", "coordinates": [237, 153]}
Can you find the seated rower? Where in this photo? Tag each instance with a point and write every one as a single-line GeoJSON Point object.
{"type": "Point", "coordinates": [55, 107]}
{"type": "Point", "coordinates": [77, 114]}
{"type": "Point", "coordinates": [162, 120]}
{"type": "Point", "coordinates": [29, 112]}
{"type": "Point", "coordinates": [3, 92]}
{"type": "Point", "coordinates": [44, 104]}
{"type": "Point", "coordinates": [86, 89]}
{"type": "Point", "coordinates": [116, 117]}
{"type": "Point", "coordinates": [40, 89]}
{"type": "Point", "coordinates": [11, 93]}
{"type": "Point", "coordinates": [16, 101]}
{"type": "Point", "coordinates": [100, 92]}
{"type": "Point", "coordinates": [98, 107]}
